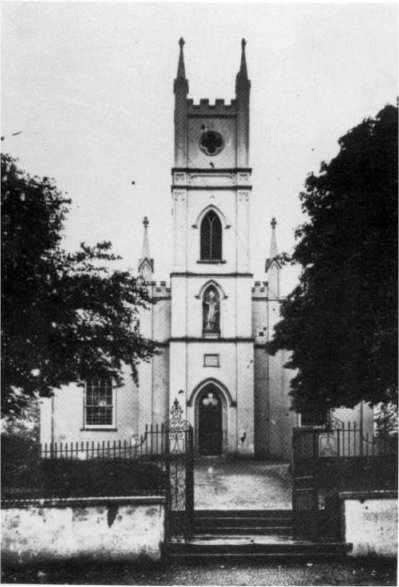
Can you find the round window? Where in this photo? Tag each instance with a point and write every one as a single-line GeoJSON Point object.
{"type": "Point", "coordinates": [211, 143]}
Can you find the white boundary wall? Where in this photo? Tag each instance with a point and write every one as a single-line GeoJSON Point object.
{"type": "Point", "coordinates": [371, 522]}
{"type": "Point", "coordinates": [106, 529]}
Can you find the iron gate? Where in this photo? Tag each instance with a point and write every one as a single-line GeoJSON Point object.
{"type": "Point", "coordinates": [179, 459]}
{"type": "Point", "coordinates": [168, 447]}
{"type": "Point", "coordinates": [305, 491]}
{"type": "Point", "coordinates": [327, 460]}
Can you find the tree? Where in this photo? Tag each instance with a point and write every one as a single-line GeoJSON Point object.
{"type": "Point", "coordinates": [386, 420]}
{"type": "Point", "coordinates": [340, 322]}
{"type": "Point", "coordinates": [65, 316]}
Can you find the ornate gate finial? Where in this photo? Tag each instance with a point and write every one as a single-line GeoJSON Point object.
{"type": "Point", "coordinates": [176, 421]}
{"type": "Point", "coordinates": [176, 410]}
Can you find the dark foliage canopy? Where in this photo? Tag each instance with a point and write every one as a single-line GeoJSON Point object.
{"type": "Point", "coordinates": [340, 322]}
{"type": "Point", "coordinates": [65, 316]}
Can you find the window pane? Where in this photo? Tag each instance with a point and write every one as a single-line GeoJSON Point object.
{"type": "Point", "coordinates": [99, 416]}
{"type": "Point", "coordinates": [211, 237]}
{"type": "Point", "coordinates": [216, 238]}
{"type": "Point", "coordinates": [205, 239]}
{"type": "Point", "coordinates": [99, 402]}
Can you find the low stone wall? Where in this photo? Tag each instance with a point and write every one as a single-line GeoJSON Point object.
{"type": "Point", "coordinates": [370, 522]}
{"type": "Point", "coordinates": [107, 529]}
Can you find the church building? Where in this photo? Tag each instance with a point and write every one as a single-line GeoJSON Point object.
{"type": "Point", "coordinates": [211, 321]}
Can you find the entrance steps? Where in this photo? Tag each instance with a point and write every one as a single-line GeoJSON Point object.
{"type": "Point", "coordinates": [242, 522]}
{"type": "Point", "coordinates": [247, 535]}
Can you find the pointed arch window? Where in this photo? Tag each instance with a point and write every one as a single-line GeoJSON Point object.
{"type": "Point", "coordinates": [211, 237]}
{"type": "Point", "coordinates": [211, 313]}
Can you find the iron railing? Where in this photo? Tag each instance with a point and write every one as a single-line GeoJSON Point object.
{"type": "Point", "coordinates": [327, 460]}
{"type": "Point", "coordinates": [343, 440]}
{"type": "Point", "coordinates": [161, 458]}
{"type": "Point", "coordinates": [152, 444]}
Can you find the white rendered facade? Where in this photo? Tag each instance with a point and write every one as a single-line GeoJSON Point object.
{"type": "Point", "coordinates": [233, 393]}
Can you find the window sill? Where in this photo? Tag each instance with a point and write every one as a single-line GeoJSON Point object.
{"type": "Point", "coordinates": [212, 261]}
{"type": "Point", "coordinates": [98, 429]}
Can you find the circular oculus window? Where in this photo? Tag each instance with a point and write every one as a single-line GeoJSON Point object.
{"type": "Point", "coordinates": [211, 143]}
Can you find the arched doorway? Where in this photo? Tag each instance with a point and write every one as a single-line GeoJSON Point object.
{"type": "Point", "coordinates": [210, 426]}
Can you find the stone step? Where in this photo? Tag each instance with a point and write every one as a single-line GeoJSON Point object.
{"type": "Point", "coordinates": [240, 549]}
{"type": "Point", "coordinates": [233, 521]}
{"type": "Point", "coordinates": [242, 522]}
{"type": "Point", "coordinates": [225, 546]}
{"type": "Point", "coordinates": [213, 558]}
{"type": "Point", "coordinates": [237, 529]}
{"type": "Point", "coordinates": [258, 514]}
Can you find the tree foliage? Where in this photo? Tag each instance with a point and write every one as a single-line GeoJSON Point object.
{"type": "Point", "coordinates": [340, 322]}
{"type": "Point", "coordinates": [65, 316]}
{"type": "Point", "coordinates": [386, 419]}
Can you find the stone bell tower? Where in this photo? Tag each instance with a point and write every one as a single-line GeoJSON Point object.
{"type": "Point", "coordinates": [211, 344]}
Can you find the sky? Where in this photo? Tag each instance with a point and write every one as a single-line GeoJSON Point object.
{"type": "Point", "coordinates": [90, 87]}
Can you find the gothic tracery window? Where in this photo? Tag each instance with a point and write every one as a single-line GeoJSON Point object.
{"type": "Point", "coordinates": [211, 143]}
{"type": "Point", "coordinates": [211, 237]}
{"type": "Point", "coordinates": [211, 312]}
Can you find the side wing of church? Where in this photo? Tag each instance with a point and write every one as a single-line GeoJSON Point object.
{"type": "Point", "coordinates": [212, 320]}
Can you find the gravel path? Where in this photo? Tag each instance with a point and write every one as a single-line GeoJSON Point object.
{"type": "Point", "coordinates": [348, 572]}
{"type": "Point", "coordinates": [223, 484]}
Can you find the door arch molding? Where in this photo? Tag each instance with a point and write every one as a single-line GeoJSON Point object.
{"type": "Point", "coordinates": [210, 421]}
{"type": "Point", "coordinates": [215, 285]}
{"type": "Point", "coordinates": [222, 389]}
{"type": "Point", "coordinates": [205, 211]}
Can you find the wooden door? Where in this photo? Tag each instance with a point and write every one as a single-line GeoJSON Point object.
{"type": "Point", "coordinates": [210, 424]}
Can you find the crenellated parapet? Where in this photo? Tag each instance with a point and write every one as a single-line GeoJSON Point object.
{"type": "Point", "coordinates": [201, 128]}
{"type": "Point", "coordinates": [160, 290]}
{"type": "Point", "coordinates": [205, 109]}
{"type": "Point", "coordinates": [260, 290]}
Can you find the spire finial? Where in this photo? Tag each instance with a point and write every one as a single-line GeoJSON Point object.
{"type": "Point", "coordinates": [273, 260]}
{"type": "Point", "coordinates": [242, 81]}
{"type": "Point", "coordinates": [180, 85]}
{"type": "Point", "coordinates": [243, 67]}
{"type": "Point", "coordinates": [181, 71]}
{"type": "Point", "coordinates": [273, 244]}
{"type": "Point", "coordinates": [146, 264]}
{"type": "Point", "coordinates": [146, 245]}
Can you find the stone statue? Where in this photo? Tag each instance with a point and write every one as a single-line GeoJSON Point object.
{"type": "Point", "coordinates": [211, 305]}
